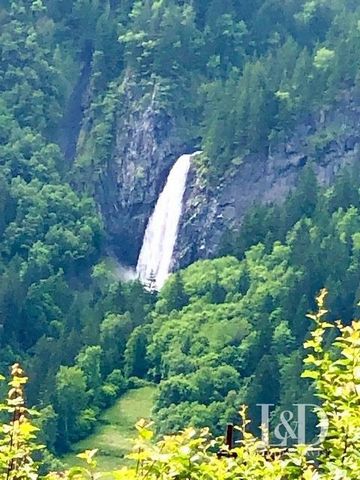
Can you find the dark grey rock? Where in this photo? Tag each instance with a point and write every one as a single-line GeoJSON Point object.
{"type": "Point", "coordinates": [208, 213]}
{"type": "Point", "coordinates": [146, 146]}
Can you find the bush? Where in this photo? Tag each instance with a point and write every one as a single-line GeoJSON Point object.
{"type": "Point", "coordinates": [86, 422]}
{"type": "Point", "coordinates": [135, 382]}
{"type": "Point", "coordinates": [107, 395]}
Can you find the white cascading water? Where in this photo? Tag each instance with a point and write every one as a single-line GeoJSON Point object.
{"type": "Point", "coordinates": [161, 233]}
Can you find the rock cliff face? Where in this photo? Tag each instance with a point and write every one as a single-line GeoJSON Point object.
{"type": "Point", "coordinates": [145, 147]}
{"type": "Point", "coordinates": [146, 143]}
{"type": "Point", "coordinates": [329, 142]}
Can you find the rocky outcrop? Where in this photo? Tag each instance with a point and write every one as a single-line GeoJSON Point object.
{"type": "Point", "coordinates": [145, 146]}
{"type": "Point", "coordinates": [146, 143]}
{"type": "Point", "coordinates": [330, 141]}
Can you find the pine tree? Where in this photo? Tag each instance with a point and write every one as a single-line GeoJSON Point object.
{"type": "Point", "coordinates": [177, 297]}
{"type": "Point", "coordinates": [151, 282]}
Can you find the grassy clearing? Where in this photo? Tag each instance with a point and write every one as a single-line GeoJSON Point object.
{"type": "Point", "coordinates": [114, 435]}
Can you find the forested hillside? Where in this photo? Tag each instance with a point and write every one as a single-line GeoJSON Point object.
{"type": "Point", "coordinates": [229, 331]}
{"type": "Point", "coordinates": [233, 78]}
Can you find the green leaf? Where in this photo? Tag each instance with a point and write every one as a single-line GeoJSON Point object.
{"type": "Point", "coordinates": [310, 374]}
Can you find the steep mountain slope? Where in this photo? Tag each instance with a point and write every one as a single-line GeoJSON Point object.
{"type": "Point", "coordinates": [260, 102]}
{"type": "Point", "coordinates": [97, 100]}
{"type": "Point", "coordinates": [127, 174]}
{"type": "Point", "coordinates": [328, 141]}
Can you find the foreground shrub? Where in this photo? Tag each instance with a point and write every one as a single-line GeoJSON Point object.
{"type": "Point", "coordinates": [17, 434]}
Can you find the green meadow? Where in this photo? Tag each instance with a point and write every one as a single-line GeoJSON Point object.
{"type": "Point", "coordinates": [116, 431]}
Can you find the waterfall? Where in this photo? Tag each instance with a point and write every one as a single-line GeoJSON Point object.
{"type": "Point", "coordinates": [161, 232]}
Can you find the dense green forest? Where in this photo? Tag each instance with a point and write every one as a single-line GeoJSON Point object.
{"type": "Point", "coordinates": [232, 328]}
{"type": "Point", "coordinates": [196, 453]}
{"type": "Point", "coordinates": [239, 75]}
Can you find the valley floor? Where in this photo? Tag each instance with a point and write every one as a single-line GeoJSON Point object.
{"type": "Point", "coordinates": [116, 430]}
